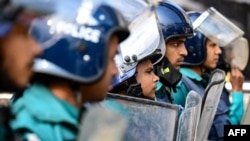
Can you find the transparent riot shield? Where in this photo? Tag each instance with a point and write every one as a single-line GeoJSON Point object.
{"type": "Point", "coordinates": [210, 103]}
{"type": "Point", "coordinates": [102, 124]}
{"type": "Point", "coordinates": [147, 120]}
{"type": "Point", "coordinates": [189, 119]}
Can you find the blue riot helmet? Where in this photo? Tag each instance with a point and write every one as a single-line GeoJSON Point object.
{"type": "Point", "coordinates": [196, 45]}
{"type": "Point", "coordinates": [75, 43]}
{"type": "Point", "coordinates": [217, 27]}
{"type": "Point", "coordinates": [213, 25]}
{"type": "Point", "coordinates": [22, 11]}
{"type": "Point", "coordinates": [173, 21]}
{"type": "Point", "coordinates": [80, 55]}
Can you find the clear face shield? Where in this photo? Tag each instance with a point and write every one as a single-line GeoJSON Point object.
{"type": "Point", "coordinates": [237, 53]}
{"type": "Point", "coordinates": [48, 30]}
{"type": "Point", "coordinates": [23, 12]}
{"type": "Point", "coordinates": [145, 40]}
{"type": "Point", "coordinates": [72, 17]}
{"type": "Point", "coordinates": [38, 7]}
{"type": "Point", "coordinates": [216, 27]}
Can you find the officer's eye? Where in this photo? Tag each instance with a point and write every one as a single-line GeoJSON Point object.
{"type": "Point", "coordinates": [150, 70]}
{"type": "Point", "coordinates": [175, 44]}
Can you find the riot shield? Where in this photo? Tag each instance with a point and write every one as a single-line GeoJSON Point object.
{"type": "Point", "coordinates": [147, 120]}
{"type": "Point", "coordinates": [189, 119]}
{"type": "Point", "coordinates": [210, 103]}
{"type": "Point", "coordinates": [101, 124]}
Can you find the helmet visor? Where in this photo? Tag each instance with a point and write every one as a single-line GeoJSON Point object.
{"type": "Point", "coordinates": [23, 12]}
{"type": "Point", "coordinates": [144, 40]}
{"type": "Point", "coordinates": [67, 21]}
{"type": "Point", "coordinates": [217, 27]}
{"type": "Point", "coordinates": [41, 7]}
{"type": "Point", "coordinates": [240, 50]}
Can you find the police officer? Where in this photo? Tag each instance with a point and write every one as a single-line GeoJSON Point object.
{"type": "Point", "coordinates": [236, 79]}
{"type": "Point", "coordinates": [140, 80]}
{"type": "Point", "coordinates": [135, 60]}
{"type": "Point", "coordinates": [203, 56]}
{"type": "Point", "coordinates": [18, 50]}
{"type": "Point", "coordinates": [74, 68]}
{"type": "Point", "coordinates": [176, 27]}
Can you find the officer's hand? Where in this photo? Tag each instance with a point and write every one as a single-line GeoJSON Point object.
{"type": "Point", "coordinates": [236, 79]}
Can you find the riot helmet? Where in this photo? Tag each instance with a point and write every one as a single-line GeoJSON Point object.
{"type": "Point", "coordinates": [153, 50]}
{"type": "Point", "coordinates": [75, 42]}
{"type": "Point", "coordinates": [173, 21]}
{"type": "Point", "coordinates": [77, 51]}
{"type": "Point", "coordinates": [196, 45]}
{"type": "Point", "coordinates": [212, 25]}
{"type": "Point", "coordinates": [126, 71]}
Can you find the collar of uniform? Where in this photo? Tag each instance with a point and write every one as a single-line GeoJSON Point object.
{"type": "Point", "coordinates": [191, 74]}
{"type": "Point", "coordinates": [158, 85]}
{"type": "Point", "coordinates": [39, 101]}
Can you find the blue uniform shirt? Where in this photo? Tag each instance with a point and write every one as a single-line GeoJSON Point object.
{"type": "Point", "coordinates": [163, 93]}
{"type": "Point", "coordinates": [182, 90]}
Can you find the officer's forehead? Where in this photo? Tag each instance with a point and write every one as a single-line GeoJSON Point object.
{"type": "Point", "coordinates": [177, 39]}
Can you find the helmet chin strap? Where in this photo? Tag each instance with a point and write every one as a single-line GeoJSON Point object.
{"type": "Point", "coordinates": [77, 94]}
{"type": "Point", "coordinates": [78, 98]}
{"type": "Point", "coordinates": [134, 88]}
{"type": "Point", "coordinates": [225, 67]}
